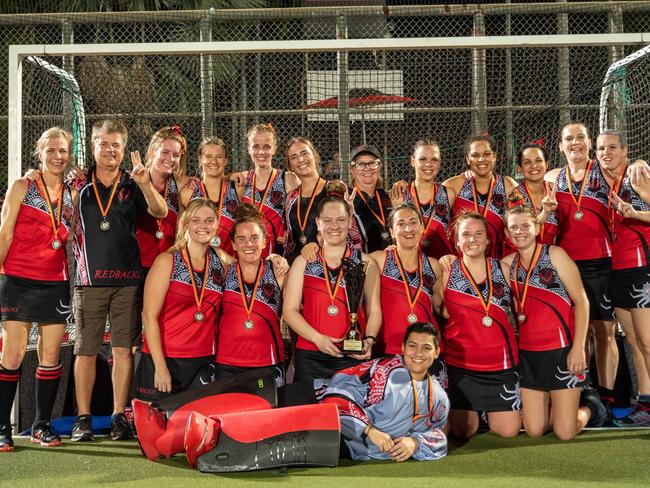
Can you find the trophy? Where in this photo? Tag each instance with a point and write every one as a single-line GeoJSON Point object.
{"type": "Point", "coordinates": [354, 275]}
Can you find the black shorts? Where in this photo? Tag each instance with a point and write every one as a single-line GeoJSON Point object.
{"type": "Point", "coordinates": [595, 278]}
{"type": "Point", "coordinates": [547, 371]}
{"type": "Point", "coordinates": [630, 288]}
{"type": "Point", "coordinates": [24, 300]}
{"type": "Point", "coordinates": [226, 370]}
{"type": "Point", "coordinates": [488, 391]}
{"type": "Point", "coordinates": [186, 373]}
{"type": "Point", "coordinates": [315, 364]}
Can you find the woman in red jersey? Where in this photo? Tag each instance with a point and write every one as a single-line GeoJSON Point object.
{"type": "Point", "coordinates": [479, 341]}
{"type": "Point", "coordinates": [552, 311]}
{"type": "Point", "coordinates": [214, 186]}
{"type": "Point", "coordinates": [36, 224]}
{"type": "Point", "coordinates": [433, 200]}
{"type": "Point", "coordinates": [182, 298]}
{"type": "Point", "coordinates": [485, 192]}
{"type": "Point", "coordinates": [315, 299]}
{"type": "Point", "coordinates": [249, 327]}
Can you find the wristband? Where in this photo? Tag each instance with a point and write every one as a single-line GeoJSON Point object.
{"type": "Point", "coordinates": [374, 339]}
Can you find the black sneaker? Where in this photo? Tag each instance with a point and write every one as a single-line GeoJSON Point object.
{"type": "Point", "coordinates": [42, 434]}
{"type": "Point", "coordinates": [639, 417]}
{"type": "Point", "coordinates": [82, 429]}
{"type": "Point", "coordinates": [120, 429]}
{"type": "Point", "coordinates": [590, 398]}
{"type": "Point", "coordinates": [6, 442]}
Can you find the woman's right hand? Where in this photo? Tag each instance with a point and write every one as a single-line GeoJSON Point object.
{"type": "Point", "coordinates": [446, 261]}
{"type": "Point", "coordinates": [32, 174]}
{"type": "Point", "coordinates": [309, 252]}
{"type": "Point", "coordinates": [396, 193]}
{"type": "Point", "coordinates": [327, 345]}
{"type": "Point", "coordinates": [162, 380]}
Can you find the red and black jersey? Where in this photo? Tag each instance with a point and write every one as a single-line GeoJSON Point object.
{"type": "Point", "coordinates": [31, 254]}
{"type": "Point", "coordinates": [257, 345]}
{"type": "Point", "coordinates": [436, 240]}
{"type": "Point", "coordinates": [292, 246]}
{"type": "Point", "coordinates": [147, 226]}
{"type": "Point", "coordinates": [496, 210]}
{"type": "Point", "coordinates": [468, 343]}
{"type": "Point", "coordinates": [632, 236]}
{"type": "Point", "coordinates": [548, 309]}
{"type": "Point", "coordinates": [371, 233]}
{"type": "Point", "coordinates": [181, 335]}
{"type": "Point", "coordinates": [395, 306]}
{"type": "Point", "coordinates": [108, 257]}
{"type": "Point", "coordinates": [549, 229]}
{"type": "Point", "coordinates": [589, 237]}
{"type": "Point", "coordinates": [316, 300]}
{"type": "Point", "coordinates": [229, 206]}
{"type": "Point", "coordinates": [272, 206]}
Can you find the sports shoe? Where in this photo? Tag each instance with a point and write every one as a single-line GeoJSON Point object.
{"type": "Point", "coordinates": [640, 417]}
{"type": "Point", "coordinates": [6, 442]}
{"type": "Point", "coordinates": [590, 398]}
{"type": "Point", "coordinates": [82, 429]}
{"type": "Point", "coordinates": [42, 434]}
{"type": "Point", "coordinates": [120, 428]}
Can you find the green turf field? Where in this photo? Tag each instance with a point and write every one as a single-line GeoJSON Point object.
{"type": "Point", "coordinates": [607, 458]}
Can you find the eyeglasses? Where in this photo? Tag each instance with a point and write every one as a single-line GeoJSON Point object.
{"type": "Point", "coordinates": [367, 164]}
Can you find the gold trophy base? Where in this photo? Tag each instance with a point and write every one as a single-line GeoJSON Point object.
{"type": "Point", "coordinates": [352, 343]}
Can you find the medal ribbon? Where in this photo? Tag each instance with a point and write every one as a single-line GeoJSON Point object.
{"type": "Point", "coordinates": [56, 221]}
{"type": "Point", "coordinates": [266, 189]}
{"type": "Point", "coordinates": [520, 298]}
{"type": "Point", "coordinates": [417, 415]}
{"type": "Point", "coordinates": [611, 211]}
{"type": "Point", "coordinates": [381, 218]}
{"type": "Point", "coordinates": [248, 304]}
{"type": "Point", "coordinates": [104, 211]}
{"type": "Point", "coordinates": [411, 299]}
{"type": "Point", "coordinates": [489, 196]}
{"type": "Point", "coordinates": [416, 197]}
{"type": "Point", "coordinates": [539, 209]}
{"type": "Point", "coordinates": [185, 254]}
{"type": "Point", "coordinates": [582, 186]}
{"type": "Point", "coordinates": [331, 293]}
{"type": "Point", "coordinates": [488, 277]}
{"type": "Point", "coordinates": [222, 193]}
{"type": "Point", "coordinates": [159, 221]}
{"type": "Point", "coordinates": [302, 223]}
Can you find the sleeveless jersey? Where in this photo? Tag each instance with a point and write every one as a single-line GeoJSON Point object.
{"type": "Point", "coordinates": [494, 216]}
{"type": "Point", "coordinates": [272, 207]}
{"type": "Point", "coordinates": [147, 226]}
{"type": "Point", "coordinates": [550, 228]}
{"type": "Point", "coordinates": [588, 238]}
{"type": "Point", "coordinates": [316, 300]}
{"type": "Point", "coordinates": [292, 246]}
{"type": "Point", "coordinates": [180, 335]}
{"type": "Point", "coordinates": [262, 345]}
{"type": "Point", "coordinates": [227, 217]}
{"type": "Point", "coordinates": [31, 254]}
{"type": "Point", "coordinates": [368, 228]}
{"type": "Point", "coordinates": [549, 311]}
{"type": "Point", "coordinates": [632, 236]}
{"type": "Point", "coordinates": [468, 343]}
{"type": "Point", "coordinates": [436, 240]}
{"type": "Point", "coordinates": [395, 307]}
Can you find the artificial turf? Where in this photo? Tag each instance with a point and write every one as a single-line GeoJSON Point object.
{"type": "Point", "coordinates": [608, 457]}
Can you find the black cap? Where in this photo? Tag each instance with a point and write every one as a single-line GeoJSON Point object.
{"type": "Point", "coordinates": [358, 151]}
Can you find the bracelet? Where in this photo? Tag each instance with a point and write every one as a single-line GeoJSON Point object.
{"type": "Point", "coordinates": [374, 339]}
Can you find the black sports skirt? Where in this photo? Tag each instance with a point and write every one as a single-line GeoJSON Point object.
{"type": "Point", "coordinates": [488, 391]}
{"type": "Point", "coordinates": [24, 300]}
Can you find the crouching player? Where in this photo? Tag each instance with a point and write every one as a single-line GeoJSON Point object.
{"type": "Point", "coordinates": [391, 408]}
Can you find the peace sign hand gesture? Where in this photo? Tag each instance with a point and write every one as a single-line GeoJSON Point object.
{"type": "Point", "coordinates": [549, 202]}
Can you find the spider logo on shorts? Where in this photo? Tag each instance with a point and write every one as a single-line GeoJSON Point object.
{"type": "Point", "coordinates": [513, 395]}
{"type": "Point", "coordinates": [642, 295]}
{"type": "Point", "coordinates": [572, 380]}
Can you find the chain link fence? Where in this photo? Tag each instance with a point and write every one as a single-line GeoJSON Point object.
{"type": "Point", "coordinates": [393, 97]}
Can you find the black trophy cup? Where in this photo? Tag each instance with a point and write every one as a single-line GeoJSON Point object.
{"type": "Point", "coordinates": [354, 275]}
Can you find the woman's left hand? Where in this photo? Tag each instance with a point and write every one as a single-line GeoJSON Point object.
{"type": "Point", "coordinates": [280, 265]}
{"type": "Point", "coordinates": [575, 361]}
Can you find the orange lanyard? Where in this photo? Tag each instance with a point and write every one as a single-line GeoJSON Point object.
{"type": "Point", "coordinates": [538, 209]}
{"type": "Point", "coordinates": [331, 293]}
{"type": "Point", "coordinates": [104, 211]}
{"type": "Point", "coordinates": [160, 234]}
{"type": "Point", "coordinates": [569, 181]}
{"type": "Point", "coordinates": [302, 223]}
{"type": "Point", "coordinates": [611, 211]}
{"type": "Point", "coordinates": [266, 190]}
{"type": "Point", "coordinates": [411, 299]}
{"type": "Point", "coordinates": [489, 197]}
{"type": "Point", "coordinates": [248, 304]}
{"type": "Point", "coordinates": [520, 299]}
{"type": "Point", "coordinates": [198, 298]}
{"type": "Point", "coordinates": [56, 220]}
{"type": "Point", "coordinates": [222, 192]}
{"type": "Point", "coordinates": [416, 197]}
{"type": "Point", "coordinates": [381, 218]}
{"type": "Point", "coordinates": [417, 415]}
{"type": "Point", "coordinates": [488, 277]}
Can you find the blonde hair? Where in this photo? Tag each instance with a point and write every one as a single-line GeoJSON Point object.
{"type": "Point", "coordinates": [51, 133]}
{"type": "Point", "coordinates": [211, 141]}
{"type": "Point", "coordinates": [172, 133]}
{"type": "Point", "coordinates": [110, 126]}
{"type": "Point", "coordinates": [264, 129]}
{"type": "Point", "coordinates": [186, 216]}
{"type": "Point", "coordinates": [306, 142]}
